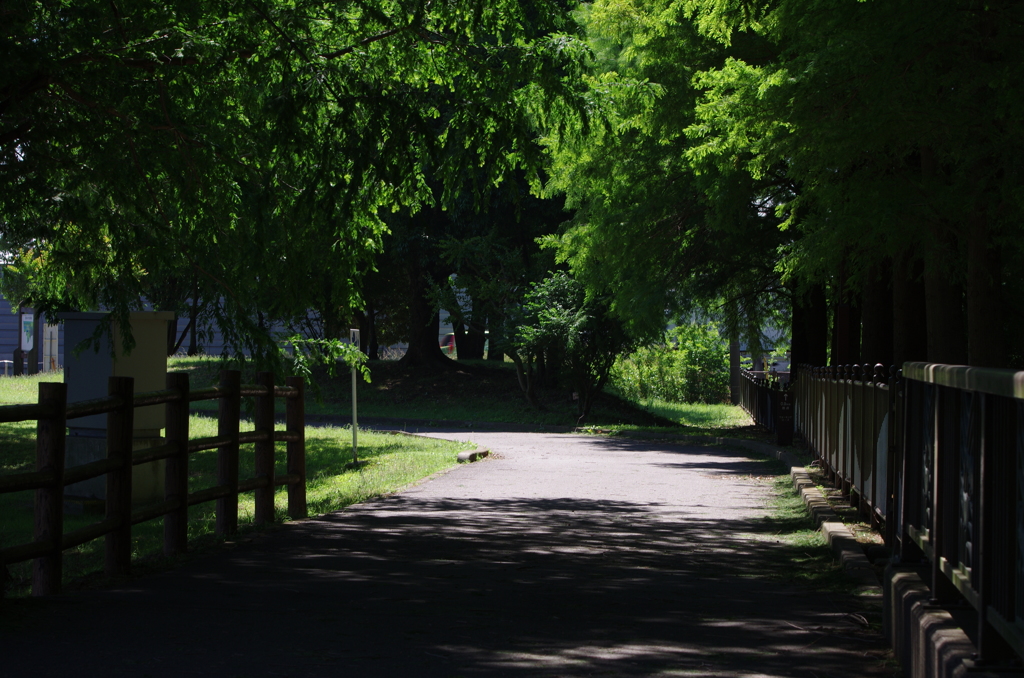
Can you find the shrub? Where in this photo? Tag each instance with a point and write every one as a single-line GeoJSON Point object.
{"type": "Point", "coordinates": [690, 366]}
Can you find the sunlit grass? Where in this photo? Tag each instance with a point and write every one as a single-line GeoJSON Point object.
{"type": "Point", "coordinates": [699, 415]}
{"type": "Point", "coordinates": [25, 388]}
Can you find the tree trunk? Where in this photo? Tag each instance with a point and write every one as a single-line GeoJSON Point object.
{"type": "Point", "coordinates": [496, 337]}
{"type": "Point", "coordinates": [986, 338]}
{"type": "Point", "coordinates": [734, 371]}
{"type": "Point", "coordinates": [876, 315]}
{"type": "Point", "coordinates": [193, 320]}
{"type": "Point", "coordinates": [172, 336]}
{"type": "Point", "coordinates": [846, 330]}
{"type": "Point", "coordinates": [424, 326]}
{"type": "Point", "coordinates": [810, 327]}
{"type": "Point", "coordinates": [368, 343]}
{"type": "Point", "coordinates": [909, 335]}
{"type": "Point", "coordinates": [944, 308]}
{"type": "Point", "coordinates": [471, 343]}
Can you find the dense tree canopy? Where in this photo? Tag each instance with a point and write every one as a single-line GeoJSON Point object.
{"type": "Point", "coordinates": [852, 166]}
{"type": "Point", "coordinates": [859, 154]}
{"type": "Point", "coordinates": [249, 148]}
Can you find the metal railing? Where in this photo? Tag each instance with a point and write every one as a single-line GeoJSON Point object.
{"type": "Point", "coordinates": [847, 416]}
{"type": "Point", "coordinates": [962, 493]}
{"type": "Point", "coordinates": [935, 456]}
{"type": "Point", "coordinates": [767, 400]}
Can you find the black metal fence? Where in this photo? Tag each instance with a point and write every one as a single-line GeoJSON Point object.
{"type": "Point", "coordinates": [962, 494]}
{"type": "Point", "coordinates": [766, 398]}
{"type": "Point", "coordinates": [847, 415]}
{"type": "Point", "coordinates": [935, 456]}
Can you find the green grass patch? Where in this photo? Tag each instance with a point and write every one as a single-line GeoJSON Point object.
{"type": "Point", "coordinates": [25, 389]}
{"type": "Point", "coordinates": [700, 415]}
{"type": "Point", "coordinates": [797, 548]}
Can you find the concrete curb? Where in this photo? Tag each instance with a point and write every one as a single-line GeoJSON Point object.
{"type": "Point", "coordinates": [470, 456]}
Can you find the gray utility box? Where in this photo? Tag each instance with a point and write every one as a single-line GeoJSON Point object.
{"type": "Point", "coordinates": [86, 374]}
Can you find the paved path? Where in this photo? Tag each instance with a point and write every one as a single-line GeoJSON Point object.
{"type": "Point", "coordinates": [560, 556]}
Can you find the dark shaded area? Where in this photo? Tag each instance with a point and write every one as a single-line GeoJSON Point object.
{"type": "Point", "coordinates": [426, 586]}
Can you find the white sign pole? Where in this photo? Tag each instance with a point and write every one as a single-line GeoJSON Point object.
{"type": "Point", "coordinates": [354, 339]}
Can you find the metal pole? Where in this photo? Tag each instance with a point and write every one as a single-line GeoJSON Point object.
{"type": "Point", "coordinates": [354, 339]}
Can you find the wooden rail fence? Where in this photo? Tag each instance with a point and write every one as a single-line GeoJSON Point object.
{"type": "Point", "coordinates": [50, 477]}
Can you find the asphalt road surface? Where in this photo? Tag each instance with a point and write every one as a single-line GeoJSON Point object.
{"type": "Point", "coordinates": [560, 555]}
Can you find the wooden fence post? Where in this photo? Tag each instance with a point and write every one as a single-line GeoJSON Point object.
{"type": "Point", "coordinates": [49, 508]}
{"type": "Point", "coordinates": [120, 425]}
{"type": "Point", "coordinates": [229, 412]}
{"type": "Point", "coordinates": [176, 482]}
{"type": "Point", "coordinates": [264, 423]}
{"type": "Point", "coordinates": [296, 424]}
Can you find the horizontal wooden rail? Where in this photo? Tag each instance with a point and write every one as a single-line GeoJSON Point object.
{"type": "Point", "coordinates": [253, 390]}
{"type": "Point", "coordinates": [154, 511]}
{"type": "Point", "coordinates": [32, 480]}
{"type": "Point", "coordinates": [23, 552]}
{"type": "Point", "coordinates": [156, 398]}
{"type": "Point", "coordinates": [155, 453]}
{"type": "Point", "coordinates": [287, 479]}
{"type": "Point", "coordinates": [93, 469]}
{"type": "Point", "coordinates": [208, 443]}
{"type": "Point", "coordinates": [253, 484]}
{"type": "Point", "coordinates": [211, 393]}
{"type": "Point", "coordinates": [88, 408]}
{"type": "Point", "coordinates": [72, 539]}
{"type": "Point", "coordinates": [253, 437]}
{"type": "Point", "coordinates": [13, 413]}
{"type": "Point", "coordinates": [208, 494]}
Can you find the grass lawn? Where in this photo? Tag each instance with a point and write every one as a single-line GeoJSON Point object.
{"type": "Point", "coordinates": [392, 461]}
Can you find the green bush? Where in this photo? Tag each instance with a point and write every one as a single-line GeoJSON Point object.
{"type": "Point", "coordinates": [690, 366]}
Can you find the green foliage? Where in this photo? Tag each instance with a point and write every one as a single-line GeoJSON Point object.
{"type": "Point", "coordinates": [558, 318]}
{"type": "Point", "coordinates": [745, 152]}
{"type": "Point", "coordinates": [307, 353]}
{"type": "Point", "coordinates": [644, 231]}
{"type": "Point", "coordinates": [691, 365]}
{"type": "Point", "coordinates": [247, 154]}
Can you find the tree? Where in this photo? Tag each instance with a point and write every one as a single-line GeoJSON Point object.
{"type": "Point", "coordinates": [859, 157]}
{"type": "Point", "coordinates": [558, 313]}
{"type": "Point", "coordinates": [893, 122]}
{"type": "Point", "coordinates": [252, 146]}
{"type": "Point", "coordinates": [647, 230]}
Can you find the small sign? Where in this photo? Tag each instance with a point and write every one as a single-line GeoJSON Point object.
{"type": "Point", "coordinates": [353, 337]}
{"type": "Point", "coordinates": [28, 332]}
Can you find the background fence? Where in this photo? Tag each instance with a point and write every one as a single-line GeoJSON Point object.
{"type": "Point", "coordinates": [934, 456]}
{"type": "Point", "coordinates": [767, 400]}
{"type": "Point", "coordinates": [50, 477]}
